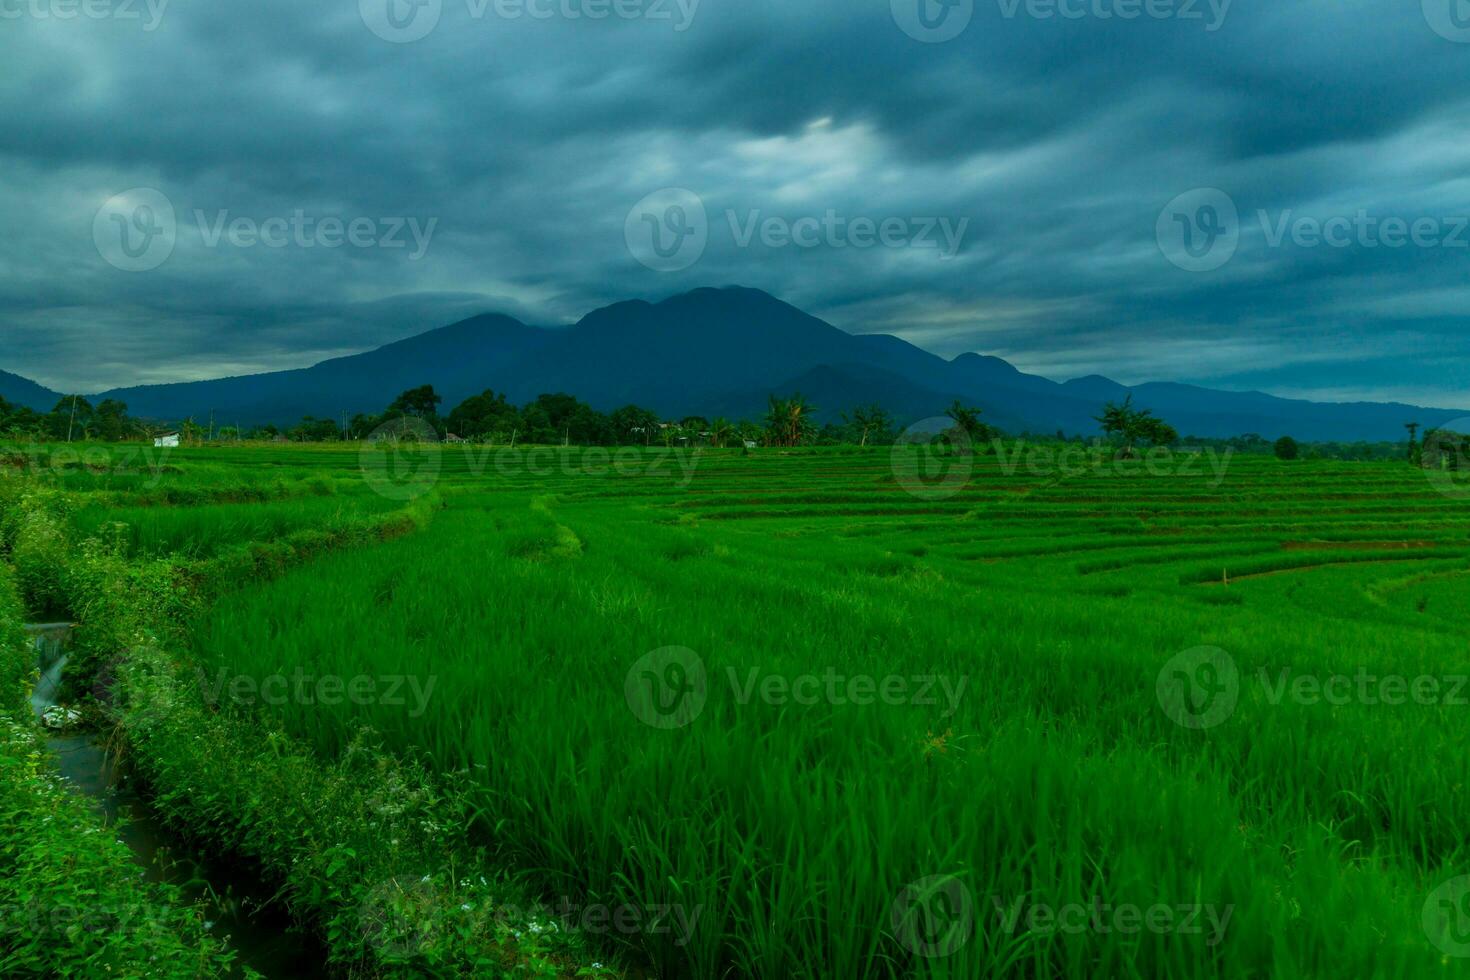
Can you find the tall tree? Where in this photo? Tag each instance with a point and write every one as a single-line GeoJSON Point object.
{"type": "Point", "coordinates": [720, 432]}
{"type": "Point", "coordinates": [71, 418]}
{"type": "Point", "coordinates": [1134, 425]}
{"type": "Point", "coordinates": [869, 420]}
{"type": "Point", "coordinates": [486, 415]}
{"type": "Point", "coordinates": [789, 420]}
{"type": "Point", "coordinates": [421, 402]}
{"type": "Point", "coordinates": [632, 424]}
{"type": "Point", "coordinates": [112, 420]}
{"type": "Point", "coordinates": [967, 422]}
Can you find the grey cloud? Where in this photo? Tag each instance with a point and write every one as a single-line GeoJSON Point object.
{"type": "Point", "coordinates": [528, 140]}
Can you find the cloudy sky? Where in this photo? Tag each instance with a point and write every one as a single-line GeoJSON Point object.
{"type": "Point", "coordinates": [1266, 194]}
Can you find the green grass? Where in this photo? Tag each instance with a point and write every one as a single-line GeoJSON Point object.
{"type": "Point", "coordinates": [1057, 778]}
{"type": "Point", "coordinates": [200, 531]}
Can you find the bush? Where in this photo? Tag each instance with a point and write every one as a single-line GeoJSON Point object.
{"type": "Point", "coordinates": [72, 900]}
{"type": "Point", "coordinates": [33, 531]}
{"type": "Point", "coordinates": [1286, 448]}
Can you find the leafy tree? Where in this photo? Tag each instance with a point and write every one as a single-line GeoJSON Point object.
{"type": "Point", "coordinates": [562, 418]}
{"type": "Point", "coordinates": [631, 424]}
{"type": "Point", "coordinates": [421, 402]}
{"type": "Point", "coordinates": [1250, 442]}
{"type": "Point", "coordinates": [1157, 432]}
{"type": "Point", "coordinates": [869, 420]}
{"type": "Point", "coordinates": [1413, 428]}
{"type": "Point", "coordinates": [112, 420]}
{"type": "Point", "coordinates": [536, 425]}
{"type": "Point", "coordinates": [484, 415]}
{"type": "Point", "coordinates": [1445, 449]}
{"type": "Point", "coordinates": [16, 420]}
{"type": "Point", "coordinates": [720, 432]}
{"type": "Point", "coordinates": [967, 423]}
{"type": "Point", "coordinates": [747, 432]}
{"type": "Point", "coordinates": [1134, 425]}
{"type": "Point", "coordinates": [1286, 448]}
{"type": "Point", "coordinates": [70, 419]}
{"type": "Point", "coordinates": [360, 427]}
{"type": "Point", "coordinates": [313, 429]}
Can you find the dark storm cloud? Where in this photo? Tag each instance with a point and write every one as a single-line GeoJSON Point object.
{"type": "Point", "coordinates": [520, 143]}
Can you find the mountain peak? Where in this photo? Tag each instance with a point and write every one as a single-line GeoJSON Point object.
{"type": "Point", "coordinates": [721, 348]}
{"type": "Point", "coordinates": [726, 297]}
{"type": "Point", "coordinates": [971, 359]}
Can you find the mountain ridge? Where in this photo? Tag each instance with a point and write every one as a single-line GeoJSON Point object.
{"type": "Point", "coordinates": [724, 351]}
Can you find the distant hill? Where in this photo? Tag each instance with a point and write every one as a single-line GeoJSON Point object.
{"type": "Point", "coordinates": [456, 359]}
{"type": "Point", "coordinates": [25, 392]}
{"type": "Point", "coordinates": [724, 351]}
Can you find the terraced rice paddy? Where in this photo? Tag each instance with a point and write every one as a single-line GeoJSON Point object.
{"type": "Point", "coordinates": [199, 531]}
{"type": "Point", "coordinates": [775, 715]}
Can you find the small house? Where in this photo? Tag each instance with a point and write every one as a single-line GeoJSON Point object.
{"type": "Point", "coordinates": [169, 441]}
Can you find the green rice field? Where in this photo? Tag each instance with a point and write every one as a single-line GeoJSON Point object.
{"type": "Point", "coordinates": [1023, 756]}
{"type": "Point", "coordinates": [799, 714]}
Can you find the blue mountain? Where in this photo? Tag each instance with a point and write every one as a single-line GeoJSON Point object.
{"type": "Point", "coordinates": [725, 351]}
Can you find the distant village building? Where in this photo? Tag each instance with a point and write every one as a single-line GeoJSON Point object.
{"type": "Point", "coordinates": [170, 441]}
{"type": "Point", "coordinates": [451, 437]}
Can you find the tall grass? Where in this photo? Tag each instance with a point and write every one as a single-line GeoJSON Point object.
{"type": "Point", "coordinates": [1057, 779]}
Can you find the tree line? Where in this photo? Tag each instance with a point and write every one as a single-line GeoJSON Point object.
{"type": "Point", "coordinates": [562, 419]}
{"type": "Point", "coordinates": [73, 418]}
{"type": "Point", "coordinates": [559, 418]}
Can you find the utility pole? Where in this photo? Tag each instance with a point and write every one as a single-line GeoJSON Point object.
{"type": "Point", "coordinates": [211, 426]}
{"type": "Point", "coordinates": [73, 417]}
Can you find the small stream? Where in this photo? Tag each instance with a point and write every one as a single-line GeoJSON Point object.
{"type": "Point", "coordinates": [239, 905]}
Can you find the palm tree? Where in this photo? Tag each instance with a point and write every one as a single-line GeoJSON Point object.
{"type": "Point", "coordinates": [788, 421]}
{"type": "Point", "coordinates": [719, 431]}
{"type": "Point", "coordinates": [868, 418]}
